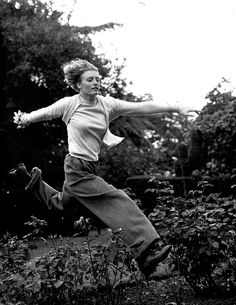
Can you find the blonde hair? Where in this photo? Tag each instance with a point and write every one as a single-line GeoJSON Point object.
{"type": "Point", "coordinates": [74, 69]}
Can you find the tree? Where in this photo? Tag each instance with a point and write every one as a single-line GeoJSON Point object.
{"type": "Point", "coordinates": [34, 44]}
{"type": "Point", "coordinates": [217, 123]}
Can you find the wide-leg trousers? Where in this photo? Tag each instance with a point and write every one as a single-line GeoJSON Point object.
{"type": "Point", "coordinates": [112, 206]}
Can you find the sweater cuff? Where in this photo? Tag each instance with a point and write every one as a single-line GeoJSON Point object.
{"type": "Point", "coordinates": [25, 119]}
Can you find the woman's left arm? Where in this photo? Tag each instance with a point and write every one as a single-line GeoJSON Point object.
{"type": "Point", "coordinates": [151, 108]}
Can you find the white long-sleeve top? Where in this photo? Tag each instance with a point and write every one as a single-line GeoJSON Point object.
{"type": "Point", "coordinates": [87, 124]}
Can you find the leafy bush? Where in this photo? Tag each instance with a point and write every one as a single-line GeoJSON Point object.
{"type": "Point", "coordinates": [217, 123]}
{"type": "Point", "coordinates": [202, 231]}
{"type": "Point", "coordinates": [67, 274]}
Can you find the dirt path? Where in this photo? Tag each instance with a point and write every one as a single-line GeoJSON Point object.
{"type": "Point", "coordinates": [39, 247]}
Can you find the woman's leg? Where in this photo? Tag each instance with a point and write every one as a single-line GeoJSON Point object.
{"type": "Point", "coordinates": [109, 204]}
{"type": "Point", "coordinates": [33, 183]}
{"type": "Point", "coordinates": [112, 206]}
{"type": "Point", "coordinates": [45, 193]}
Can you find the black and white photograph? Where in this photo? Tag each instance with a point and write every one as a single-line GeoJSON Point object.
{"type": "Point", "coordinates": [118, 152]}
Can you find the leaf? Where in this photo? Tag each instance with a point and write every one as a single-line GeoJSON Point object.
{"type": "Point", "coordinates": [215, 244]}
{"type": "Point", "coordinates": [164, 232]}
{"type": "Point", "coordinates": [201, 208]}
{"type": "Point", "coordinates": [201, 183]}
{"type": "Point", "coordinates": [58, 284]}
{"type": "Point", "coordinates": [43, 239]}
{"type": "Point", "coordinates": [34, 286]}
{"type": "Point", "coordinates": [214, 233]}
{"type": "Point", "coordinates": [43, 274]}
{"type": "Point", "coordinates": [203, 249]}
{"type": "Point", "coordinates": [3, 287]}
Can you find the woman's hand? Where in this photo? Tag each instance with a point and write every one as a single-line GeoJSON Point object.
{"type": "Point", "coordinates": [185, 110]}
{"type": "Point", "coordinates": [19, 119]}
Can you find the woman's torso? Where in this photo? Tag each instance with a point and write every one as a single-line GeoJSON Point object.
{"type": "Point", "coordinates": [86, 130]}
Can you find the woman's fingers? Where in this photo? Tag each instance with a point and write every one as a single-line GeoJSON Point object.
{"type": "Point", "coordinates": [17, 118]}
{"type": "Point", "coordinates": [20, 126]}
{"type": "Point", "coordinates": [187, 110]}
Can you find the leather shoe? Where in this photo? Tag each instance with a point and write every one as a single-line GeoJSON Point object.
{"type": "Point", "coordinates": [153, 259]}
{"type": "Point", "coordinates": [19, 174]}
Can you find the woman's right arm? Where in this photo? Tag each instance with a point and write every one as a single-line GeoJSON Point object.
{"type": "Point", "coordinates": [55, 110]}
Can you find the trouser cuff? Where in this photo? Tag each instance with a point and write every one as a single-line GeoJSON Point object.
{"type": "Point", "coordinates": [35, 176]}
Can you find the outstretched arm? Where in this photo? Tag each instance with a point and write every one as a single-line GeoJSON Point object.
{"type": "Point", "coordinates": [152, 108]}
{"type": "Point", "coordinates": [55, 110]}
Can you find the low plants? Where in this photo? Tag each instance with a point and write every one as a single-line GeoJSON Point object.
{"type": "Point", "coordinates": [201, 228]}
{"type": "Point", "coordinates": [68, 274]}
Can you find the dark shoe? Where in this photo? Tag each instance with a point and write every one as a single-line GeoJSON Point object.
{"type": "Point", "coordinates": [153, 259]}
{"type": "Point", "coordinates": [19, 174]}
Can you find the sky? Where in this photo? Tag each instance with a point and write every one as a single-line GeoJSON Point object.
{"type": "Point", "coordinates": [176, 50]}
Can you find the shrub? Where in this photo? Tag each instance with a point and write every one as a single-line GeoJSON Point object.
{"type": "Point", "coordinates": [202, 231]}
{"type": "Point", "coordinates": [217, 122]}
{"type": "Point", "coordinates": [68, 274]}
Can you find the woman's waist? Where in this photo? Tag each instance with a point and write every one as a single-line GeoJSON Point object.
{"type": "Point", "coordinates": [80, 163]}
{"type": "Point", "coordinates": [83, 156]}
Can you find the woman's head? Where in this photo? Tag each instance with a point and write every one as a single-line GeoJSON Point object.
{"type": "Point", "coordinates": [74, 69]}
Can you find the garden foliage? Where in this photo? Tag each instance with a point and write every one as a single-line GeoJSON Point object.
{"type": "Point", "coordinates": [217, 124]}
{"type": "Point", "coordinates": [68, 274]}
{"type": "Point", "coordinates": [201, 228]}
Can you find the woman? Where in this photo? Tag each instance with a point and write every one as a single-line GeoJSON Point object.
{"type": "Point", "coordinates": [87, 116]}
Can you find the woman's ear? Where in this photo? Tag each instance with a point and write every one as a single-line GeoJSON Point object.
{"type": "Point", "coordinates": [78, 85]}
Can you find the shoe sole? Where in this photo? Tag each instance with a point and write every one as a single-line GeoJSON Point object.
{"type": "Point", "coordinates": [13, 171]}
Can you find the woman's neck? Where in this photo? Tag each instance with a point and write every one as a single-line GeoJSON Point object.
{"type": "Point", "coordinates": [87, 99]}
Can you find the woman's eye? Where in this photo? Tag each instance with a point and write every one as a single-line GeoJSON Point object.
{"type": "Point", "coordinates": [91, 79]}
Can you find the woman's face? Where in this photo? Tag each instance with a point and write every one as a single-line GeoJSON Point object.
{"type": "Point", "coordinates": [89, 83]}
